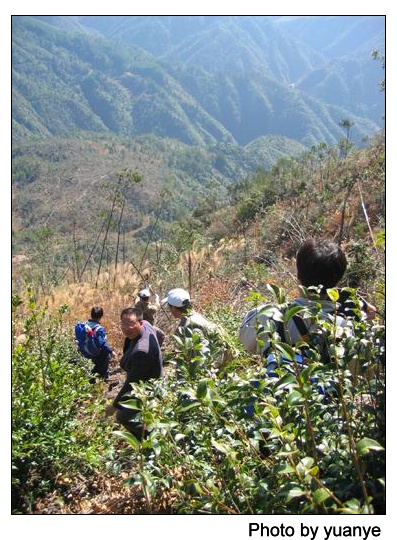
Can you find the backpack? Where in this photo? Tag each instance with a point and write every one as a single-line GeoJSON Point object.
{"type": "Point", "coordinates": [87, 340]}
{"type": "Point", "coordinates": [250, 336]}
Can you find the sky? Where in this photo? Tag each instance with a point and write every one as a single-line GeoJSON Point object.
{"type": "Point", "coordinates": [177, 527]}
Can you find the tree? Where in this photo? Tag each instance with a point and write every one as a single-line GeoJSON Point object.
{"type": "Point", "coordinates": [346, 124]}
{"type": "Point", "coordinates": [376, 55]}
{"type": "Point", "coordinates": [346, 144]}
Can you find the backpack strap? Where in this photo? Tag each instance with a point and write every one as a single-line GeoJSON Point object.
{"type": "Point", "coordinates": [280, 329]}
{"type": "Point", "coordinates": [301, 326]}
{"type": "Point", "coordinates": [93, 325]}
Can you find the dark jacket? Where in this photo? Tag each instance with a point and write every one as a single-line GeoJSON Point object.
{"type": "Point", "coordinates": [142, 360]}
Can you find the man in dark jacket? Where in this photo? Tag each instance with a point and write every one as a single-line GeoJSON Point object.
{"type": "Point", "coordinates": [141, 360]}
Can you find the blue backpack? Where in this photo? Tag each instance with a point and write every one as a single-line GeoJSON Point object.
{"type": "Point", "coordinates": [87, 340]}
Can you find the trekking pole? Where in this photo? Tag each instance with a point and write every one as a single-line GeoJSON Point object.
{"type": "Point", "coordinates": [366, 216]}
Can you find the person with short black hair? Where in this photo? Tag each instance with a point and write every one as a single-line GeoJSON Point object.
{"type": "Point", "coordinates": [142, 361]}
{"type": "Point", "coordinates": [102, 361]}
{"type": "Point", "coordinates": [321, 264]}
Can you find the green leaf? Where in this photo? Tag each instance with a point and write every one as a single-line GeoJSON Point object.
{"type": "Point", "coordinates": [279, 293]}
{"type": "Point", "coordinates": [333, 294]}
{"type": "Point", "coordinates": [202, 389]}
{"type": "Point", "coordinates": [291, 312]}
{"type": "Point", "coordinates": [286, 380]}
{"type": "Point", "coordinates": [295, 398]}
{"type": "Point", "coordinates": [365, 446]}
{"type": "Point", "coordinates": [307, 462]}
{"type": "Point", "coordinates": [284, 469]}
{"type": "Point", "coordinates": [294, 492]}
{"type": "Point", "coordinates": [128, 437]}
{"type": "Point", "coordinates": [220, 447]}
{"type": "Point", "coordinates": [321, 495]}
{"type": "Point", "coordinates": [188, 407]}
{"type": "Point", "coordinates": [286, 350]}
{"type": "Point", "coordinates": [132, 404]}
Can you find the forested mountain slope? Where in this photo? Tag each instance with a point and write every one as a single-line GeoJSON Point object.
{"type": "Point", "coordinates": [196, 79]}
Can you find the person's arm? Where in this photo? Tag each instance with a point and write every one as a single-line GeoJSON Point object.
{"type": "Point", "coordinates": [368, 309]}
{"type": "Point", "coordinates": [127, 343]}
{"type": "Point", "coordinates": [102, 341]}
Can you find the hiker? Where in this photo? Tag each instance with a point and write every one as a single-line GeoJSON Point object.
{"type": "Point", "coordinates": [179, 303]}
{"type": "Point", "coordinates": [149, 310]}
{"type": "Point", "coordinates": [142, 361]}
{"type": "Point", "coordinates": [321, 264]}
{"type": "Point", "coordinates": [92, 343]}
{"type": "Point", "coordinates": [190, 321]}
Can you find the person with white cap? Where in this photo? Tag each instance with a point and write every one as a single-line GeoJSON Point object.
{"type": "Point", "coordinates": [214, 340]}
{"type": "Point", "coordinates": [148, 309]}
{"type": "Point", "coordinates": [180, 305]}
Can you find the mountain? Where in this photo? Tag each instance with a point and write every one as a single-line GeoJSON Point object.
{"type": "Point", "coordinates": [348, 73]}
{"type": "Point", "coordinates": [292, 51]}
{"type": "Point", "coordinates": [201, 80]}
{"type": "Point", "coordinates": [191, 104]}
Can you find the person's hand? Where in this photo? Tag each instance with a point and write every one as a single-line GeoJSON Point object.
{"type": "Point", "coordinates": [110, 410]}
{"type": "Point", "coordinates": [371, 311]}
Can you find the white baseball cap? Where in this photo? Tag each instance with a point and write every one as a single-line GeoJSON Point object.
{"type": "Point", "coordinates": [177, 298]}
{"type": "Point", "coordinates": [144, 293]}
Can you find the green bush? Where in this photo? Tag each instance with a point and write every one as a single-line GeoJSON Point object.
{"type": "Point", "coordinates": [55, 409]}
{"type": "Point", "coordinates": [308, 441]}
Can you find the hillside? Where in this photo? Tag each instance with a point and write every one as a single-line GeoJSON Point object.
{"type": "Point", "coordinates": [268, 211]}
{"type": "Point", "coordinates": [205, 80]}
{"type": "Point", "coordinates": [65, 186]}
{"type": "Point", "coordinates": [225, 257]}
{"type": "Point", "coordinates": [88, 105]}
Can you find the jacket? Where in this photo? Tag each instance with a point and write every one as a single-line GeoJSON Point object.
{"type": "Point", "coordinates": [142, 361]}
{"type": "Point", "coordinates": [100, 335]}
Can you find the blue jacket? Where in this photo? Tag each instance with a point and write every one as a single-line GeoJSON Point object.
{"type": "Point", "coordinates": [100, 334]}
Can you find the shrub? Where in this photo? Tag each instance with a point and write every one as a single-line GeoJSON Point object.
{"type": "Point", "coordinates": [239, 441]}
{"type": "Point", "coordinates": [54, 407]}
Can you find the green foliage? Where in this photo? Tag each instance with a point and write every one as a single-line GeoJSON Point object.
{"type": "Point", "coordinates": [242, 442]}
{"type": "Point", "coordinates": [50, 391]}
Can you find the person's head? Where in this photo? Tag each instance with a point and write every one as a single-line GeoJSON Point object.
{"type": "Point", "coordinates": [131, 322]}
{"type": "Point", "coordinates": [144, 295]}
{"type": "Point", "coordinates": [320, 262]}
{"type": "Point", "coordinates": [178, 301]}
{"type": "Point", "coordinates": [96, 313]}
